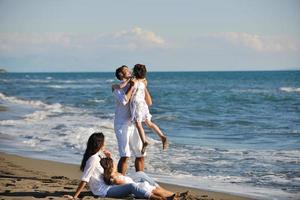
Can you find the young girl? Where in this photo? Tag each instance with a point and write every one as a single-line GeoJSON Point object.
{"type": "Point", "coordinates": [112, 177]}
{"type": "Point", "coordinates": [139, 108]}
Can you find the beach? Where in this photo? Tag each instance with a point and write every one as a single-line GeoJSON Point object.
{"type": "Point", "coordinates": [215, 85]}
{"type": "Point", "coordinates": [27, 178]}
{"type": "Point", "coordinates": [235, 132]}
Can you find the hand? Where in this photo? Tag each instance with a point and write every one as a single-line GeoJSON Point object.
{"type": "Point", "coordinates": [132, 82]}
{"type": "Point", "coordinates": [107, 153]}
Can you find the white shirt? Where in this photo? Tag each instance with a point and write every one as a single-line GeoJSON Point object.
{"type": "Point", "coordinates": [92, 174]}
{"type": "Point", "coordinates": [129, 142]}
{"type": "Point", "coordinates": [122, 108]}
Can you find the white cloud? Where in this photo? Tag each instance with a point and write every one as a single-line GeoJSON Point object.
{"type": "Point", "coordinates": [35, 38]}
{"type": "Point", "coordinates": [30, 43]}
{"type": "Point", "coordinates": [138, 34]}
{"type": "Point", "coordinates": [20, 44]}
{"type": "Point", "coordinates": [261, 43]}
{"type": "Point", "coordinates": [137, 38]}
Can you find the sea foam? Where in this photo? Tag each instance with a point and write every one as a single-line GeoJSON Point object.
{"type": "Point", "coordinates": [290, 89]}
{"type": "Point", "coordinates": [57, 107]}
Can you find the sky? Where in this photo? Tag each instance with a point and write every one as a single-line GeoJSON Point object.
{"type": "Point", "coordinates": [165, 35]}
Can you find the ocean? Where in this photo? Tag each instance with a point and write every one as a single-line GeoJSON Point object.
{"type": "Point", "coordinates": [237, 132]}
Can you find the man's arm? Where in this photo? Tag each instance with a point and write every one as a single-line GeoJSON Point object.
{"type": "Point", "coordinates": [128, 94]}
{"type": "Point", "coordinates": [130, 90]}
{"type": "Point", "coordinates": [123, 97]}
{"type": "Point", "coordinates": [119, 86]}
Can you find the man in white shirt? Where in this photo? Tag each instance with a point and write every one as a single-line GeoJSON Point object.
{"type": "Point", "coordinates": [129, 142]}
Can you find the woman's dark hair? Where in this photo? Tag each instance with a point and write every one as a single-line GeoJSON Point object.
{"type": "Point", "coordinates": [119, 73]}
{"type": "Point", "coordinates": [139, 71]}
{"type": "Point", "coordinates": [108, 166]}
{"type": "Point", "coordinates": [95, 142]}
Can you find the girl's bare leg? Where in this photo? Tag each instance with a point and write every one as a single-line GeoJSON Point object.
{"type": "Point", "coordinates": [157, 130]}
{"type": "Point", "coordinates": [141, 131]}
{"type": "Point", "coordinates": [162, 192]}
{"type": "Point", "coordinates": [166, 194]}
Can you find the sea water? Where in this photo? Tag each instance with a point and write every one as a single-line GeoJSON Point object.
{"type": "Point", "coordinates": [237, 132]}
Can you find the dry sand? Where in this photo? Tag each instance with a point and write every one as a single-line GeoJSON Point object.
{"type": "Point", "coordinates": [26, 178]}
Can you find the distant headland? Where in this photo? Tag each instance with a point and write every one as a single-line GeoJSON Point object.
{"type": "Point", "coordinates": [2, 70]}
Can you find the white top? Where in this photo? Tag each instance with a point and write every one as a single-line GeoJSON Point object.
{"type": "Point", "coordinates": [122, 109]}
{"type": "Point", "coordinates": [92, 174]}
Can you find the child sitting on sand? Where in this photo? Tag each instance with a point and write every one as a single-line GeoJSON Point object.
{"type": "Point", "coordinates": [139, 108]}
{"type": "Point", "coordinates": [112, 177]}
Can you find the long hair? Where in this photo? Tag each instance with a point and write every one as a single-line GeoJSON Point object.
{"type": "Point", "coordinates": [96, 141]}
{"type": "Point", "coordinates": [108, 166]}
{"type": "Point", "coordinates": [139, 71]}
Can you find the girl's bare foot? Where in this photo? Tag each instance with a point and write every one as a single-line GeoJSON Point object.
{"type": "Point", "coordinates": [178, 196]}
{"type": "Point", "coordinates": [164, 142]}
{"type": "Point", "coordinates": [172, 197]}
{"type": "Point", "coordinates": [145, 144]}
{"type": "Point", "coordinates": [155, 197]}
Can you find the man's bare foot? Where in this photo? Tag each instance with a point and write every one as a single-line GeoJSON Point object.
{"type": "Point", "coordinates": [145, 144]}
{"type": "Point", "coordinates": [164, 142]}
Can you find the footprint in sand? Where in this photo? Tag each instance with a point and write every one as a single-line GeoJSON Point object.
{"type": "Point", "coordinates": [59, 177]}
{"type": "Point", "coordinates": [10, 184]}
{"type": "Point", "coordinates": [68, 188]}
{"type": "Point", "coordinates": [35, 187]}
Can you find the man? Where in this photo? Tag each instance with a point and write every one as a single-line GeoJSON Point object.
{"type": "Point", "coordinates": [129, 142]}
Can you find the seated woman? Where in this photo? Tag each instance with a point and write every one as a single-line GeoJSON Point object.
{"type": "Point", "coordinates": [92, 175]}
{"type": "Point", "coordinates": [112, 177]}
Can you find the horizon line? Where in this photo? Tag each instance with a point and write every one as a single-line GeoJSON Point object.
{"type": "Point", "coordinates": [155, 71]}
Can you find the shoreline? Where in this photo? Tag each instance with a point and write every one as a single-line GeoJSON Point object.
{"type": "Point", "coordinates": [29, 178]}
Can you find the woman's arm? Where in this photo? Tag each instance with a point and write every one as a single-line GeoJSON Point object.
{"type": "Point", "coordinates": [80, 187]}
{"type": "Point", "coordinates": [118, 181]}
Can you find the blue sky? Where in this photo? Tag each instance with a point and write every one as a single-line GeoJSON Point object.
{"type": "Point", "coordinates": [166, 35]}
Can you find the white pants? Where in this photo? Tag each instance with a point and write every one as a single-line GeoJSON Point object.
{"type": "Point", "coordinates": [129, 141]}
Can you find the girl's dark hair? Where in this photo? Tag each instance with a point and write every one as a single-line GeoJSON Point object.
{"type": "Point", "coordinates": [108, 165]}
{"type": "Point", "coordinates": [139, 71]}
{"type": "Point", "coordinates": [95, 142]}
{"type": "Point", "coordinates": [118, 72]}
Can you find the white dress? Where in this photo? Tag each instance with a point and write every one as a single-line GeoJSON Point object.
{"type": "Point", "coordinates": [138, 106]}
